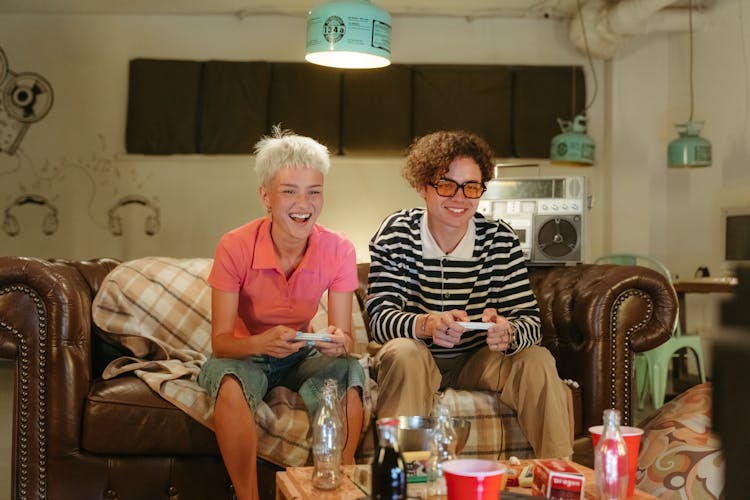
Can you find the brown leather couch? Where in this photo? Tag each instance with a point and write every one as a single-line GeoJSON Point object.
{"type": "Point", "coordinates": [78, 436]}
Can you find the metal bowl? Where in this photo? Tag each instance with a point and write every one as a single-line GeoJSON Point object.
{"type": "Point", "coordinates": [415, 432]}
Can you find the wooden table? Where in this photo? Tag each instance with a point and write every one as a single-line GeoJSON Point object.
{"type": "Point", "coordinates": [295, 484]}
{"type": "Point", "coordinates": [694, 285]}
{"type": "Point", "coordinates": [700, 285]}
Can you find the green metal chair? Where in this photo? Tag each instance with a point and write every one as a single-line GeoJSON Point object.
{"type": "Point", "coordinates": [652, 367]}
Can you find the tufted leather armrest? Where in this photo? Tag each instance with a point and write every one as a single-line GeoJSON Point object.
{"type": "Point", "coordinates": [45, 326]}
{"type": "Point", "coordinates": [594, 318]}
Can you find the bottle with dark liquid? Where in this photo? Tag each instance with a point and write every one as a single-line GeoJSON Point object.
{"type": "Point", "coordinates": [388, 479]}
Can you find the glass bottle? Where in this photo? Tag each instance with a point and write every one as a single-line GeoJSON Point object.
{"type": "Point", "coordinates": [611, 459]}
{"type": "Point", "coordinates": [442, 448]}
{"type": "Point", "coordinates": [388, 478]}
{"type": "Point", "coordinates": [327, 439]}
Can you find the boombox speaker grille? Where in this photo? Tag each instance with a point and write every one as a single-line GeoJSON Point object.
{"type": "Point", "coordinates": [557, 238]}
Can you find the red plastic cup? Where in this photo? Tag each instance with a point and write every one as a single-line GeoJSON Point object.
{"type": "Point", "coordinates": [473, 479]}
{"type": "Point", "coordinates": [632, 436]}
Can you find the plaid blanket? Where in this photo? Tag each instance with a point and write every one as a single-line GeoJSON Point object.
{"type": "Point", "coordinates": [160, 309]}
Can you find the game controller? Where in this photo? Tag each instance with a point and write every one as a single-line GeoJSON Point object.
{"type": "Point", "coordinates": [313, 337]}
{"type": "Point", "coordinates": [475, 325]}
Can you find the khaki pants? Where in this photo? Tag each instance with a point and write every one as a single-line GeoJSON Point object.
{"type": "Point", "coordinates": [409, 379]}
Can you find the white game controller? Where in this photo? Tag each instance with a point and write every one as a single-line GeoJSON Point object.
{"type": "Point", "coordinates": [313, 337]}
{"type": "Point", "coordinates": [475, 325]}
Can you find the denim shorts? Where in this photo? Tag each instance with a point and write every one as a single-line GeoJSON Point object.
{"type": "Point", "coordinates": [304, 372]}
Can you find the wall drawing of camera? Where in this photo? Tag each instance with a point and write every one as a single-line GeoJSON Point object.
{"type": "Point", "coordinates": [25, 98]}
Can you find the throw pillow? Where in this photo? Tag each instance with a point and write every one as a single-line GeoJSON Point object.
{"type": "Point", "coordinates": [680, 456]}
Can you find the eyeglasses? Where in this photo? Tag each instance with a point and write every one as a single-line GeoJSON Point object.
{"type": "Point", "coordinates": [449, 188]}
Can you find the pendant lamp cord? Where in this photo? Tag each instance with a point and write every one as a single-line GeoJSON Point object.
{"type": "Point", "coordinates": [690, 25]}
{"type": "Point", "coordinates": [588, 56]}
{"type": "Point", "coordinates": [744, 64]}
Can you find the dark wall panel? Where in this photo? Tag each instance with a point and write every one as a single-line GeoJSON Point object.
{"type": "Point", "coordinates": [222, 107]}
{"type": "Point", "coordinates": [472, 98]}
{"type": "Point", "coordinates": [306, 99]}
{"type": "Point", "coordinates": [376, 111]}
{"type": "Point", "coordinates": [162, 107]}
{"type": "Point", "coordinates": [541, 95]}
{"type": "Point", "coordinates": [233, 106]}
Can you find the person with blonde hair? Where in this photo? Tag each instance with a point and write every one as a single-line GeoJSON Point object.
{"type": "Point", "coordinates": [267, 279]}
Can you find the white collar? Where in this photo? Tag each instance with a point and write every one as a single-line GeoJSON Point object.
{"type": "Point", "coordinates": [464, 249]}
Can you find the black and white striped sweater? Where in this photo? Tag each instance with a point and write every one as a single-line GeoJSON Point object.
{"type": "Point", "coordinates": [403, 283]}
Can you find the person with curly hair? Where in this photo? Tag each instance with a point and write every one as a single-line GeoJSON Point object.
{"type": "Point", "coordinates": [434, 268]}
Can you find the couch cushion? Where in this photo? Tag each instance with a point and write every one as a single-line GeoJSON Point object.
{"type": "Point", "coordinates": [680, 456]}
{"type": "Point", "coordinates": [123, 416]}
{"type": "Point", "coordinates": [495, 432]}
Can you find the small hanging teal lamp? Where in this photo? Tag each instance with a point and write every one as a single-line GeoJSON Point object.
{"type": "Point", "coordinates": [689, 149]}
{"type": "Point", "coordinates": [354, 34]}
{"type": "Point", "coordinates": [573, 146]}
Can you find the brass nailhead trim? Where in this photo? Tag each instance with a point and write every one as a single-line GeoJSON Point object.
{"type": "Point", "coordinates": [613, 349]}
{"type": "Point", "coordinates": [24, 398]}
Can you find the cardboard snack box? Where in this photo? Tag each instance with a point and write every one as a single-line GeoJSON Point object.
{"type": "Point", "coordinates": [558, 480]}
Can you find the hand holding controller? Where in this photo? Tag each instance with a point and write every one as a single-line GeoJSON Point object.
{"type": "Point", "coordinates": [311, 338]}
{"type": "Point", "coordinates": [473, 325]}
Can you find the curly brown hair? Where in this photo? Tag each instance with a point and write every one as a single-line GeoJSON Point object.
{"type": "Point", "coordinates": [430, 155]}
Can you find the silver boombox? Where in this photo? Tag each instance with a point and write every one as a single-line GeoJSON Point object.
{"type": "Point", "coordinates": [547, 213]}
{"type": "Point", "coordinates": [25, 98]}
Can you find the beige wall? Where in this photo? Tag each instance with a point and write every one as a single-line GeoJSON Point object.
{"type": "Point", "coordinates": [674, 214]}
{"type": "Point", "coordinates": [75, 156]}
{"type": "Point", "coordinates": [696, 200]}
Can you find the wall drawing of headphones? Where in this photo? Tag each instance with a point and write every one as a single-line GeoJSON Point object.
{"type": "Point", "coordinates": [153, 220]}
{"type": "Point", "coordinates": [49, 223]}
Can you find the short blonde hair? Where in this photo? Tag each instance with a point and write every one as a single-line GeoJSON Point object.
{"type": "Point", "coordinates": [284, 148]}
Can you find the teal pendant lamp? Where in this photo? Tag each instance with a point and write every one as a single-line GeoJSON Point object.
{"type": "Point", "coordinates": [354, 34]}
{"type": "Point", "coordinates": [573, 146]}
{"type": "Point", "coordinates": [689, 149]}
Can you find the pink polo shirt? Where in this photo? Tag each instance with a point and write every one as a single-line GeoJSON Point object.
{"type": "Point", "coordinates": [245, 262]}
